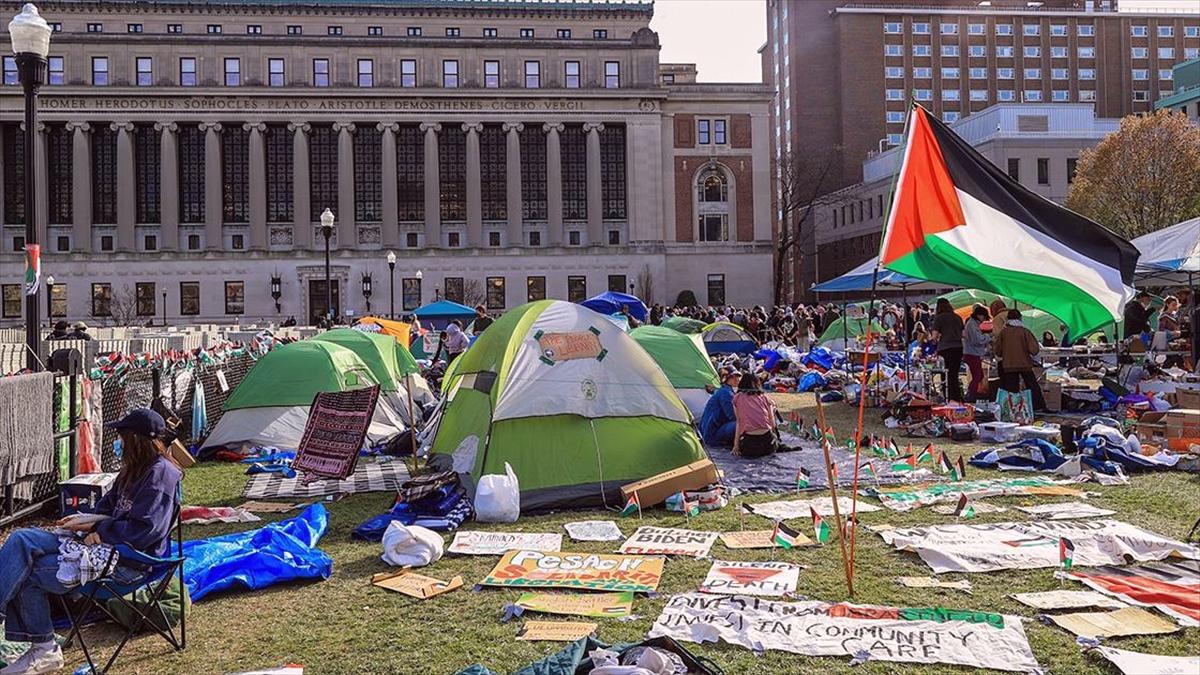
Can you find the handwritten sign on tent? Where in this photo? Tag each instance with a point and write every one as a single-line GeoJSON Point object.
{"type": "Point", "coordinates": [337, 424]}
{"type": "Point", "coordinates": [586, 571]}
{"type": "Point", "coordinates": [580, 344]}
{"type": "Point", "coordinates": [496, 543]}
{"type": "Point", "coordinates": [771, 579]}
{"type": "Point", "coordinates": [598, 605]}
{"type": "Point", "coordinates": [669, 541]}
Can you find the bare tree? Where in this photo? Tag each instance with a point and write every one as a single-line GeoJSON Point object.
{"type": "Point", "coordinates": [122, 308]}
{"type": "Point", "coordinates": [805, 182]}
{"type": "Point", "coordinates": [473, 293]}
{"type": "Point", "coordinates": [645, 282]}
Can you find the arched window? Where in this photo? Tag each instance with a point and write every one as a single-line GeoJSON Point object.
{"type": "Point", "coordinates": [712, 186]}
{"type": "Point", "coordinates": [712, 202]}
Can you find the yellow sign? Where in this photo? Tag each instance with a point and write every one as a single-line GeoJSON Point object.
{"type": "Point", "coordinates": [415, 585]}
{"type": "Point", "coordinates": [583, 604]}
{"type": "Point", "coordinates": [556, 631]}
{"type": "Point", "coordinates": [589, 571]}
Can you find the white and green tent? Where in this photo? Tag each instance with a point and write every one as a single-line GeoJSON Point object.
{"type": "Point", "coordinates": [570, 401]}
{"type": "Point", "coordinates": [683, 360]}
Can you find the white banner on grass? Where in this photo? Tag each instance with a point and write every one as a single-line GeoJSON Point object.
{"type": "Point", "coordinates": [986, 547]}
{"type": "Point", "coordinates": [771, 579]}
{"type": "Point", "coordinates": [496, 543]}
{"type": "Point", "coordinates": [823, 629]}
{"type": "Point", "coordinates": [787, 509]}
{"type": "Point", "coordinates": [1066, 511]}
{"type": "Point", "coordinates": [1137, 663]}
{"type": "Point", "coordinates": [593, 530]}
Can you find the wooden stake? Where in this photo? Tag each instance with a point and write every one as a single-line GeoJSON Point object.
{"type": "Point", "coordinates": [837, 514]}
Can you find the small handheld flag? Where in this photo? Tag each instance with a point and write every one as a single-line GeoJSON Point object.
{"type": "Point", "coordinates": [926, 453]}
{"type": "Point", "coordinates": [820, 527]}
{"type": "Point", "coordinates": [689, 508]}
{"type": "Point", "coordinates": [905, 463]}
{"type": "Point", "coordinates": [802, 479]}
{"type": "Point", "coordinates": [964, 509]}
{"type": "Point", "coordinates": [868, 469]}
{"type": "Point", "coordinates": [962, 470]}
{"type": "Point", "coordinates": [1066, 553]}
{"type": "Point", "coordinates": [784, 536]}
{"type": "Point", "coordinates": [634, 505]}
{"type": "Point", "coordinates": [944, 465]}
{"type": "Point", "coordinates": [830, 437]}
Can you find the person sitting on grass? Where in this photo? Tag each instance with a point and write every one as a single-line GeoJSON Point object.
{"type": "Point", "coordinates": [718, 422]}
{"type": "Point", "coordinates": [755, 434]}
{"type": "Point", "coordinates": [140, 508]}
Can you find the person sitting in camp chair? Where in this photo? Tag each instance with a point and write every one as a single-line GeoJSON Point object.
{"type": "Point", "coordinates": [718, 422]}
{"type": "Point", "coordinates": [139, 511]}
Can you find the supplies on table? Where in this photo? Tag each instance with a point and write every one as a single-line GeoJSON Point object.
{"type": "Point", "coordinates": [434, 501]}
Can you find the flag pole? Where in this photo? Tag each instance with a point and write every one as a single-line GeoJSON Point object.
{"type": "Point", "coordinates": [837, 515]}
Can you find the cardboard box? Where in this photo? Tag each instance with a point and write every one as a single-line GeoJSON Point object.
{"type": "Point", "coordinates": [955, 414]}
{"type": "Point", "coordinates": [1152, 427]}
{"type": "Point", "coordinates": [1187, 398]}
{"type": "Point", "coordinates": [81, 493]}
{"type": "Point", "coordinates": [180, 454]}
{"type": "Point", "coordinates": [1183, 423]}
{"type": "Point", "coordinates": [656, 489]}
{"type": "Point", "coordinates": [1052, 392]}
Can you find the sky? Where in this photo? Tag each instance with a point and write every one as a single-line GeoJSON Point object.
{"type": "Point", "coordinates": [721, 37]}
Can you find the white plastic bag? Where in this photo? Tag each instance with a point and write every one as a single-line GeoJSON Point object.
{"type": "Point", "coordinates": [498, 497]}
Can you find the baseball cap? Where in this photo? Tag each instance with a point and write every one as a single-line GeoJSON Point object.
{"type": "Point", "coordinates": [141, 421]}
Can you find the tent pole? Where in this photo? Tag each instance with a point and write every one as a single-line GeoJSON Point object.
{"type": "Point", "coordinates": [833, 496]}
{"type": "Point", "coordinates": [845, 327]}
{"type": "Point", "coordinates": [904, 327]}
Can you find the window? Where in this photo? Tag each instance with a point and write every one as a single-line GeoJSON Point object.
{"type": "Point", "coordinates": [893, 50]}
{"type": "Point", "coordinates": [1058, 29]}
{"type": "Point", "coordinates": [1087, 73]}
{"type": "Point", "coordinates": [576, 288]}
{"type": "Point", "coordinates": [189, 298]}
{"type": "Point", "coordinates": [101, 299]}
{"type": "Point", "coordinates": [949, 50]}
{"type": "Point", "coordinates": [95, 28]}
{"type": "Point", "coordinates": [55, 26]}
{"type": "Point", "coordinates": [1006, 95]}
{"type": "Point", "coordinates": [976, 29]}
{"type": "Point", "coordinates": [410, 239]}
{"type": "Point", "coordinates": [895, 117]}
{"type": "Point", "coordinates": [133, 28]}
{"type": "Point", "coordinates": [1032, 30]}
{"type": "Point", "coordinates": [612, 74]}
{"type": "Point", "coordinates": [107, 243]}
{"type": "Point", "coordinates": [895, 94]}
{"type": "Point", "coordinates": [320, 72]}
{"type": "Point", "coordinates": [410, 172]}
{"type": "Point", "coordinates": [1087, 95]}
{"type": "Point", "coordinates": [1165, 74]}
{"type": "Point", "coordinates": [414, 31]}
{"type": "Point", "coordinates": [235, 297]}
{"type": "Point", "coordinates": [1060, 73]}
{"type": "Point", "coordinates": [410, 293]}
{"type": "Point", "coordinates": [892, 27]}
{"type": "Point", "coordinates": [704, 132]}
{"type": "Point", "coordinates": [493, 239]}
{"type": "Point", "coordinates": [253, 29]}
{"type": "Point", "coordinates": [12, 300]}
{"type": "Point", "coordinates": [235, 174]}
{"type": "Point", "coordinates": [323, 170]}
{"type": "Point", "coordinates": [279, 162]}
{"type": "Point", "coordinates": [490, 32]}
{"type": "Point", "coordinates": [453, 31]}
{"type": "Point", "coordinates": [1043, 170]}
{"type": "Point", "coordinates": [923, 95]}
{"type": "Point", "coordinates": [894, 72]}
{"type": "Point", "coordinates": [408, 73]}
{"type": "Point", "coordinates": [450, 74]}
{"type": "Point", "coordinates": [563, 33]}
{"type": "Point", "coordinates": [922, 50]}
{"type": "Point", "coordinates": [535, 289]}
{"type": "Point", "coordinates": [147, 177]}
{"type": "Point", "coordinates": [104, 175]}
{"type": "Point", "coordinates": [193, 242]}
{"type": "Point", "coordinates": [923, 73]}
{"type": "Point", "coordinates": [1033, 73]}
{"type": "Point", "coordinates": [1004, 29]}
{"type": "Point", "coordinates": [60, 167]}
{"type": "Point", "coordinates": [949, 116]}
{"type": "Point", "coordinates": [948, 29]}
{"type": "Point", "coordinates": [237, 242]}
{"type": "Point", "coordinates": [526, 32]}
{"type": "Point", "coordinates": [1085, 30]}
{"type": "Point", "coordinates": [950, 73]}
{"type": "Point", "coordinates": [452, 169]}
{"type": "Point", "coordinates": [533, 74]}
{"type": "Point", "coordinates": [1014, 168]}
{"type": "Point", "coordinates": [979, 95]}
{"type": "Point", "coordinates": [612, 171]}
{"type": "Point", "coordinates": [716, 290]}
{"type": "Point", "coordinates": [1004, 73]}
{"type": "Point", "coordinates": [719, 132]}
{"type": "Point", "coordinates": [144, 295]}
{"type": "Point", "coordinates": [1189, 53]}
{"type": "Point", "coordinates": [1032, 52]}
{"type": "Point", "coordinates": [275, 72]}
{"type": "Point", "coordinates": [1033, 95]}
{"type": "Point", "coordinates": [574, 171]}
{"type": "Point", "coordinates": [1166, 53]}
{"type": "Point", "coordinates": [233, 72]}
{"type": "Point", "coordinates": [191, 174]}
{"type": "Point", "coordinates": [1087, 52]}
{"type": "Point", "coordinates": [375, 31]}
{"type": "Point", "coordinates": [1004, 52]}
{"type": "Point", "coordinates": [493, 169]}
{"type": "Point", "coordinates": [1141, 74]}
{"type": "Point", "coordinates": [533, 173]}
{"type": "Point", "coordinates": [920, 28]}
{"type": "Point", "coordinates": [495, 293]}
{"type": "Point", "coordinates": [614, 237]}
{"type": "Point", "coordinates": [295, 30]}
{"type": "Point", "coordinates": [571, 76]}
{"type": "Point", "coordinates": [187, 72]}
{"type": "Point", "coordinates": [1137, 31]}
{"type": "Point", "coordinates": [100, 71]}
{"type": "Point", "coordinates": [978, 73]}
{"type": "Point", "coordinates": [535, 238]}
{"type": "Point", "coordinates": [57, 70]}
{"type": "Point", "coordinates": [491, 74]}
{"type": "Point", "coordinates": [951, 94]}
{"type": "Point", "coordinates": [11, 76]}
{"type": "Point", "coordinates": [58, 298]}
{"type": "Point", "coordinates": [145, 71]}
{"type": "Point", "coordinates": [1141, 96]}
{"type": "Point", "coordinates": [1058, 52]}
{"type": "Point", "coordinates": [1166, 31]}
{"type": "Point", "coordinates": [1191, 31]}
{"type": "Point", "coordinates": [894, 139]}
{"type": "Point", "coordinates": [366, 72]}
{"type": "Point", "coordinates": [1072, 165]}
{"type": "Point", "coordinates": [1060, 96]}
{"type": "Point", "coordinates": [214, 28]}
{"type": "Point", "coordinates": [599, 34]}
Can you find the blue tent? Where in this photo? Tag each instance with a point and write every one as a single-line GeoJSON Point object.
{"type": "Point", "coordinates": [610, 302]}
{"type": "Point", "coordinates": [439, 314]}
{"type": "Point", "coordinates": [1171, 254]}
{"type": "Point", "coordinates": [859, 279]}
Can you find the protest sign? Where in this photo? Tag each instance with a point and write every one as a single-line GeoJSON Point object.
{"type": "Point", "coordinates": [930, 635]}
{"type": "Point", "coordinates": [337, 424]}
{"type": "Point", "coordinates": [555, 631]}
{"type": "Point", "coordinates": [415, 585]}
{"type": "Point", "coordinates": [1172, 588]}
{"type": "Point", "coordinates": [986, 547]}
{"type": "Point", "coordinates": [496, 543]}
{"type": "Point", "coordinates": [589, 571]}
{"type": "Point", "coordinates": [1137, 663]}
{"type": "Point", "coordinates": [580, 344]}
{"type": "Point", "coordinates": [787, 509]}
{"type": "Point", "coordinates": [932, 582]}
{"type": "Point", "coordinates": [1066, 600]}
{"type": "Point", "coordinates": [751, 578]}
{"type": "Point", "coordinates": [758, 539]}
{"type": "Point", "coordinates": [1066, 511]}
{"type": "Point", "coordinates": [669, 541]}
{"type": "Point", "coordinates": [582, 604]}
{"type": "Point", "coordinates": [1127, 621]}
{"type": "Point", "coordinates": [594, 530]}
{"type": "Point", "coordinates": [909, 497]}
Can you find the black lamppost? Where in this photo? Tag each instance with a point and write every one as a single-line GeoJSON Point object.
{"type": "Point", "coordinates": [30, 35]}
{"type": "Point", "coordinates": [366, 289]}
{"type": "Point", "coordinates": [164, 294]}
{"type": "Point", "coordinates": [327, 232]}
{"type": "Point", "coordinates": [276, 290]}
{"type": "Point", "coordinates": [50, 300]}
{"type": "Point", "coordinates": [391, 258]}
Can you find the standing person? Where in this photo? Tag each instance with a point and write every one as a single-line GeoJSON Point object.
{"type": "Point", "coordinates": [482, 320]}
{"type": "Point", "coordinates": [718, 423]}
{"type": "Point", "coordinates": [656, 314]}
{"type": "Point", "coordinates": [1168, 318]}
{"type": "Point", "coordinates": [975, 348]}
{"type": "Point", "coordinates": [1137, 316]}
{"type": "Point", "coordinates": [141, 506]}
{"type": "Point", "coordinates": [1015, 348]}
{"type": "Point", "coordinates": [947, 329]}
{"type": "Point", "coordinates": [456, 342]}
{"type": "Point", "coordinates": [80, 333]}
{"type": "Point", "coordinates": [804, 326]}
{"type": "Point", "coordinates": [60, 331]}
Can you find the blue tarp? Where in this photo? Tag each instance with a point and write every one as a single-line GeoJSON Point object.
{"type": "Point", "coordinates": [1171, 249]}
{"type": "Point", "coordinates": [610, 302]}
{"type": "Point", "coordinates": [444, 309]}
{"type": "Point", "coordinates": [859, 279]}
{"type": "Point", "coordinates": [282, 551]}
{"type": "Point", "coordinates": [1032, 454]}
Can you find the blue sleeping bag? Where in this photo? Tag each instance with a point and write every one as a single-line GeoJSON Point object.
{"type": "Point", "coordinates": [255, 559]}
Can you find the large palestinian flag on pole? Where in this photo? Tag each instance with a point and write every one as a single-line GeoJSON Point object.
{"type": "Point", "coordinates": [958, 219]}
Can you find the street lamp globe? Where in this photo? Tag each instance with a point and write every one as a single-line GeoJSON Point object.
{"type": "Point", "coordinates": [391, 258]}
{"type": "Point", "coordinates": [327, 222]}
{"type": "Point", "coordinates": [29, 32]}
{"type": "Point", "coordinates": [419, 274]}
{"type": "Point", "coordinates": [50, 280]}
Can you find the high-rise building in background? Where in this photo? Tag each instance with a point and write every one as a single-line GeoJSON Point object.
{"type": "Point", "coordinates": [844, 73]}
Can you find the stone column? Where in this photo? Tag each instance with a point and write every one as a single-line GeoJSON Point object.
{"type": "Point", "coordinates": [474, 191]}
{"type": "Point", "coordinates": [347, 233]}
{"type": "Point", "coordinates": [554, 205]}
{"type": "Point", "coordinates": [41, 188]}
{"type": "Point", "coordinates": [258, 185]}
{"type": "Point", "coordinates": [126, 187]}
{"type": "Point", "coordinates": [302, 229]}
{"type": "Point", "coordinates": [391, 196]}
{"type": "Point", "coordinates": [595, 193]}
{"type": "Point", "coordinates": [81, 186]}
{"type": "Point", "coordinates": [168, 178]}
{"type": "Point", "coordinates": [512, 175]}
{"type": "Point", "coordinates": [214, 211]}
{"type": "Point", "coordinates": [433, 187]}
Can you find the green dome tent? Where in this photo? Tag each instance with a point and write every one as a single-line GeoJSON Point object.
{"type": "Point", "coordinates": [844, 328]}
{"type": "Point", "coordinates": [570, 401]}
{"type": "Point", "coordinates": [684, 362]}
{"type": "Point", "coordinates": [391, 365]}
{"type": "Point", "coordinates": [270, 407]}
{"type": "Point", "coordinates": [683, 324]}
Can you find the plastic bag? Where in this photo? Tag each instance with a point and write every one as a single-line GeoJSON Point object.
{"type": "Point", "coordinates": [498, 498]}
{"type": "Point", "coordinates": [411, 545]}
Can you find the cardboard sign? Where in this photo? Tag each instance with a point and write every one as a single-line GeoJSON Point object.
{"type": "Point", "coordinates": [1066, 600]}
{"type": "Point", "coordinates": [787, 509]}
{"type": "Point", "coordinates": [751, 578]}
{"type": "Point", "coordinates": [594, 530]}
{"type": "Point", "coordinates": [909, 497]}
{"type": "Point", "coordinates": [669, 541]}
{"type": "Point", "coordinates": [415, 585]}
{"type": "Point", "coordinates": [581, 344]}
{"type": "Point", "coordinates": [824, 629]}
{"type": "Point", "coordinates": [1128, 621]}
{"type": "Point", "coordinates": [337, 424]}
{"type": "Point", "coordinates": [588, 571]}
{"type": "Point", "coordinates": [1172, 588]}
{"type": "Point", "coordinates": [497, 543]}
{"type": "Point", "coordinates": [758, 539]}
{"type": "Point", "coordinates": [1137, 663]}
{"type": "Point", "coordinates": [583, 604]}
{"type": "Point", "coordinates": [556, 631]}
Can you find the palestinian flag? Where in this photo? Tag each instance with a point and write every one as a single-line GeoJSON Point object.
{"type": "Point", "coordinates": [802, 478]}
{"type": "Point", "coordinates": [958, 219]}
{"type": "Point", "coordinates": [905, 463]}
{"type": "Point", "coordinates": [689, 508]}
{"type": "Point", "coordinates": [1066, 553]}
{"type": "Point", "coordinates": [964, 509]}
{"type": "Point", "coordinates": [869, 470]}
{"type": "Point", "coordinates": [893, 449]}
{"type": "Point", "coordinates": [33, 268]}
{"type": "Point", "coordinates": [961, 471]}
{"type": "Point", "coordinates": [634, 505]}
{"type": "Point", "coordinates": [820, 527]}
{"type": "Point", "coordinates": [944, 465]}
{"type": "Point", "coordinates": [926, 454]}
{"type": "Point", "coordinates": [784, 536]}
{"type": "Point", "coordinates": [830, 437]}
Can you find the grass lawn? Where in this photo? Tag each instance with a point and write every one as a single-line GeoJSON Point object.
{"type": "Point", "coordinates": [343, 625]}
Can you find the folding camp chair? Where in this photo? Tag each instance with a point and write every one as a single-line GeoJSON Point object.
{"type": "Point", "coordinates": [158, 577]}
